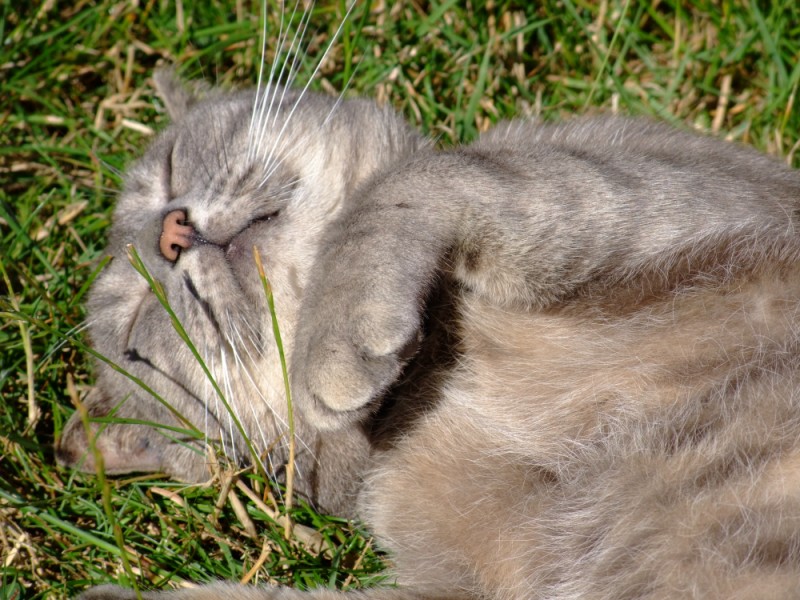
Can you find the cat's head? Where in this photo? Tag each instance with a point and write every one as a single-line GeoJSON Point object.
{"type": "Point", "coordinates": [269, 169]}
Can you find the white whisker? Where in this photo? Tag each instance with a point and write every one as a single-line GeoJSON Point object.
{"type": "Point", "coordinates": [297, 42]}
{"type": "Point", "coordinates": [273, 89]}
{"type": "Point", "coordinates": [242, 368]}
{"type": "Point", "coordinates": [260, 78]}
{"type": "Point", "coordinates": [302, 94]}
{"type": "Point", "coordinates": [281, 423]}
{"type": "Point", "coordinates": [261, 103]}
{"type": "Point", "coordinates": [341, 94]}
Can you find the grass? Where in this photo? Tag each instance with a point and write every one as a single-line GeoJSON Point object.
{"type": "Point", "coordinates": [76, 106]}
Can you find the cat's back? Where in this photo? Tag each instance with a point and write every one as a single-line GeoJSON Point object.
{"type": "Point", "coordinates": [642, 157]}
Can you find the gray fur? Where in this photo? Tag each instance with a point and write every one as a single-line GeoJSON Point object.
{"type": "Point", "coordinates": [197, 164]}
{"type": "Point", "coordinates": [561, 362]}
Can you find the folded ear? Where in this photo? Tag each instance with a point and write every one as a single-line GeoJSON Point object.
{"type": "Point", "coordinates": [177, 96]}
{"type": "Point", "coordinates": [124, 447]}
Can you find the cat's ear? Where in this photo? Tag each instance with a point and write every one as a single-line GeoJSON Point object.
{"type": "Point", "coordinates": [124, 447]}
{"type": "Point", "coordinates": [177, 96]}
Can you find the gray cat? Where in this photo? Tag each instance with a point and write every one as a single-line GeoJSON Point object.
{"type": "Point", "coordinates": [561, 362]}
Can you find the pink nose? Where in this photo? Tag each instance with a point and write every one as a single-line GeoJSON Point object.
{"type": "Point", "coordinates": [176, 234]}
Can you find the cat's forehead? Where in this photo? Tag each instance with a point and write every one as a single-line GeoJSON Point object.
{"type": "Point", "coordinates": [244, 147]}
{"type": "Point", "coordinates": [226, 144]}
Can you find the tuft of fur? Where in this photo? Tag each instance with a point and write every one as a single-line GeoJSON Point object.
{"type": "Point", "coordinates": [561, 362]}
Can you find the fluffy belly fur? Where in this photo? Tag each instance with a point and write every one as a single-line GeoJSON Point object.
{"type": "Point", "coordinates": [649, 454]}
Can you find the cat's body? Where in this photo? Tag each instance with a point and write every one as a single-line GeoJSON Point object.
{"type": "Point", "coordinates": [561, 362]}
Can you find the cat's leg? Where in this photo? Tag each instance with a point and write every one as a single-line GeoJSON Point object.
{"type": "Point", "coordinates": [458, 513]}
{"type": "Point", "coordinates": [522, 228]}
{"type": "Point", "coordinates": [362, 308]}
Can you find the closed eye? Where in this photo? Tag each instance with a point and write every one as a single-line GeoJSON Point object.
{"type": "Point", "coordinates": [259, 220]}
{"type": "Point", "coordinates": [265, 218]}
{"type": "Point", "coordinates": [166, 180]}
{"type": "Point", "coordinates": [169, 173]}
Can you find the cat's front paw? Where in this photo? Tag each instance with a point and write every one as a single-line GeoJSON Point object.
{"type": "Point", "coordinates": [360, 318]}
{"type": "Point", "coordinates": [344, 360]}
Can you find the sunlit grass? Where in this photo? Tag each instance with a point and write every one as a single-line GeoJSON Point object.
{"type": "Point", "coordinates": [76, 106]}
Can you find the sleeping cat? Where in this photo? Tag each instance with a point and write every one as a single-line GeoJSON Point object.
{"type": "Point", "coordinates": [560, 362]}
